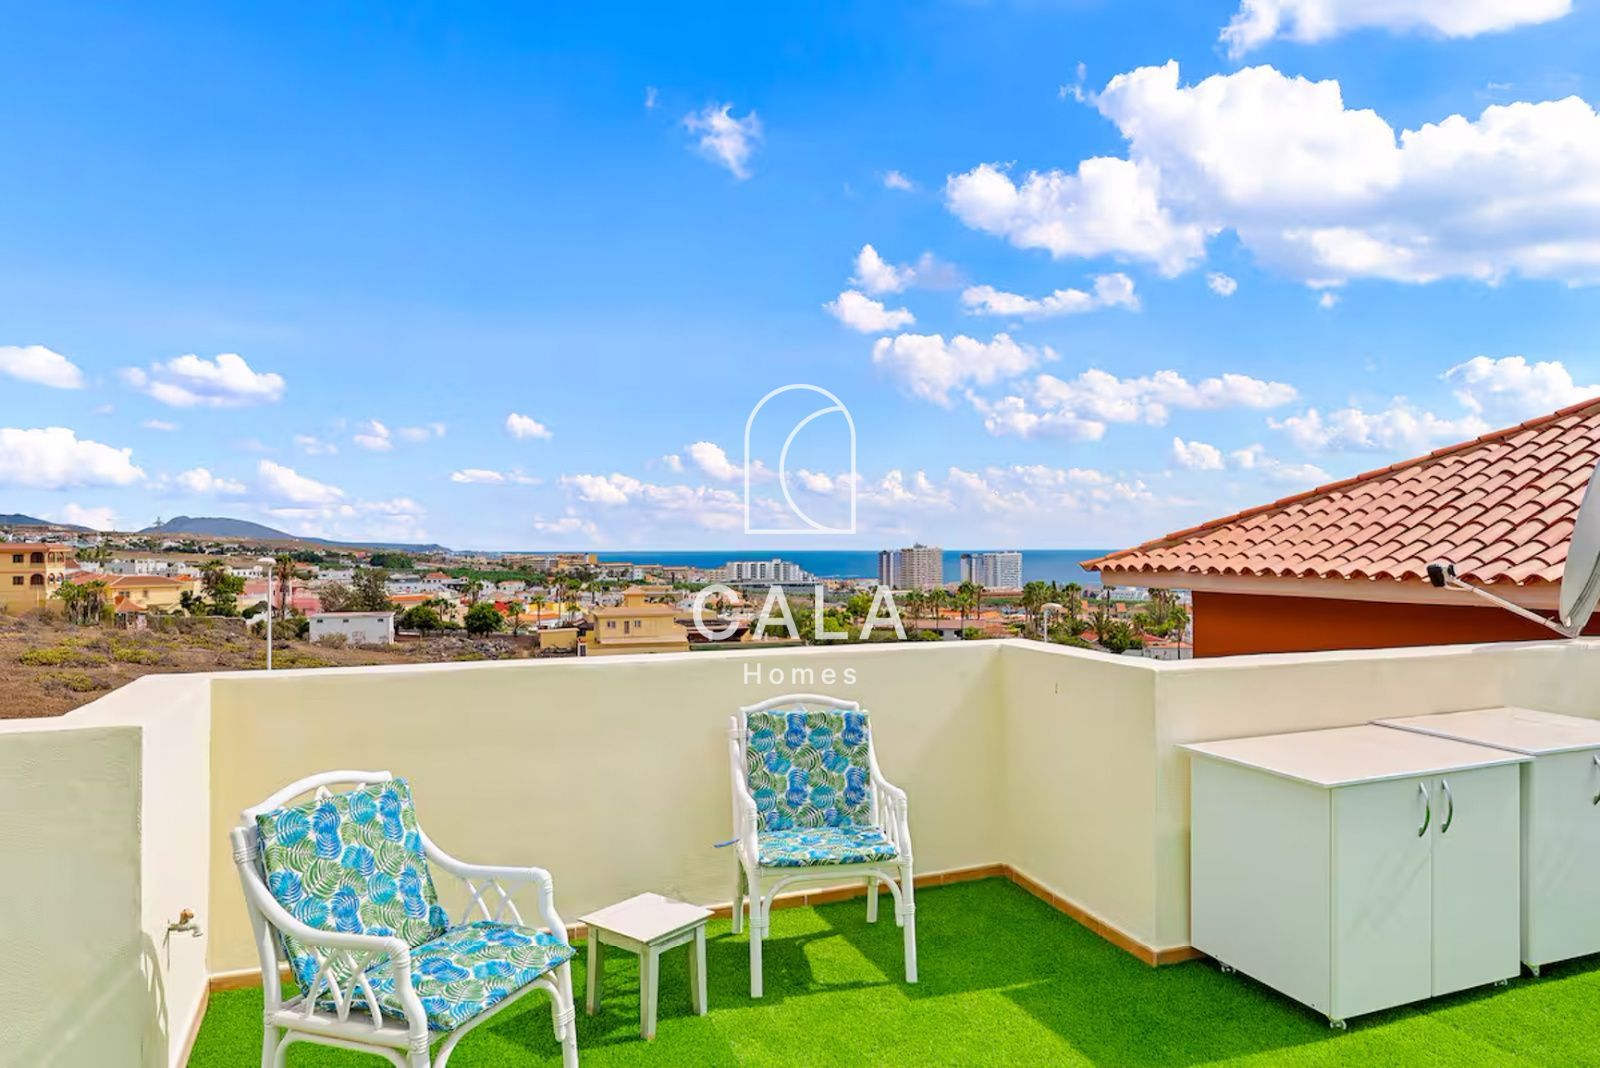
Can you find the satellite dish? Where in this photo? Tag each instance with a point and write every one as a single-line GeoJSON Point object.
{"type": "Point", "coordinates": [1580, 581]}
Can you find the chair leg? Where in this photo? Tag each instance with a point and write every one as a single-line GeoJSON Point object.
{"type": "Point", "coordinates": [269, 1046]}
{"type": "Point", "coordinates": [564, 1009]}
{"type": "Point", "coordinates": [738, 896]}
{"type": "Point", "coordinates": [872, 899]}
{"type": "Point", "coordinates": [906, 916]}
{"type": "Point", "coordinates": [758, 931]}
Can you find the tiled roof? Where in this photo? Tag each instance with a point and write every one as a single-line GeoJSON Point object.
{"type": "Point", "coordinates": [1500, 507]}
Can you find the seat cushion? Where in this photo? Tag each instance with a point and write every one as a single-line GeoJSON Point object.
{"type": "Point", "coordinates": [808, 768]}
{"type": "Point", "coordinates": [805, 847]}
{"type": "Point", "coordinates": [465, 971]}
{"type": "Point", "coordinates": [350, 862]}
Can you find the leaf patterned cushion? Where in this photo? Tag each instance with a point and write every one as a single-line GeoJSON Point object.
{"type": "Point", "coordinates": [466, 971]}
{"type": "Point", "coordinates": [808, 847]}
{"type": "Point", "coordinates": [350, 862]}
{"type": "Point", "coordinates": [808, 769]}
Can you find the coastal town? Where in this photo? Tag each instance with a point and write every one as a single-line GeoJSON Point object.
{"type": "Point", "coordinates": [341, 605]}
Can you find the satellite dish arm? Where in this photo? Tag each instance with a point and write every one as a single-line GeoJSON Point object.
{"type": "Point", "coordinates": [1443, 575]}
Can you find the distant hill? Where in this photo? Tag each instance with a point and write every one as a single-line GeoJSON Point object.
{"type": "Point", "coordinates": [243, 529]}
{"type": "Point", "coordinates": [17, 519]}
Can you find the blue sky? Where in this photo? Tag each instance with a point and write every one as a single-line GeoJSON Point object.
{"type": "Point", "coordinates": [505, 277]}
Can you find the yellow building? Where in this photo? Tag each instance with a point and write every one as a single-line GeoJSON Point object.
{"type": "Point", "coordinates": [147, 593]}
{"type": "Point", "coordinates": [637, 625]}
{"type": "Point", "coordinates": [30, 574]}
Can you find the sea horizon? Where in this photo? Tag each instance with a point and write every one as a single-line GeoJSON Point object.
{"type": "Point", "coordinates": [1043, 565]}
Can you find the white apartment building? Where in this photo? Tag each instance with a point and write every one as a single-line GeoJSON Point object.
{"type": "Point", "coordinates": [919, 567]}
{"type": "Point", "coordinates": [774, 570]}
{"type": "Point", "coordinates": [996, 571]}
{"type": "Point", "coordinates": [358, 628]}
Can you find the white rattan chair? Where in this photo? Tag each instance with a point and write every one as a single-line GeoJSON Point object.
{"type": "Point", "coordinates": [356, 980]}
{"type": "Point", "coordinates": [811, 806]}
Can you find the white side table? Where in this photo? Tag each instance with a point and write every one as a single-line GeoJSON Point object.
{"type": "Point", "coordinates": [648, 925]}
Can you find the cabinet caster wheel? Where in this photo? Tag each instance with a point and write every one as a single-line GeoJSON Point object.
{"type": "Point", "coordinates": [1227, 969]}
{"type": "Point", "coordinates": [1534, 969]}
{"type": "Point", "coordinates": [1502, 982]}
{"type": "Point", "coordinates": [1338, 1025]}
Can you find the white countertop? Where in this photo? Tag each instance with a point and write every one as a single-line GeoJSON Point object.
{"type": "Point", "coordinates": [1345, 756]}
{"type": "Point", "coordinates": [1522, 730]}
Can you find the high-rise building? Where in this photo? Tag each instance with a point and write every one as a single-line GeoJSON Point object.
{"type": "Point", "coordinates": [921, 567]}
{"type": "Point", "coordinates": [995, 571]}
{"type": "Point", "coordinates": [889, 568]}
{"type": "Point", "coordinates": [775, 570]}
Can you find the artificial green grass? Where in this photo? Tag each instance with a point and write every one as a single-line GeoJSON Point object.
{"type": "Point", "coordinates": [1005, 980]}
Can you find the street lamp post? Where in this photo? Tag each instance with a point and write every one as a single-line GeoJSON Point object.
{"type": "Point", "coordinates": [1044, 616]}
{"type": "Point", "coordinates": [271, 565]}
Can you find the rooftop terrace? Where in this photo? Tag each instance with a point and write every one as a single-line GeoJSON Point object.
{"type": "Point", "coordinates": [1058, 767]}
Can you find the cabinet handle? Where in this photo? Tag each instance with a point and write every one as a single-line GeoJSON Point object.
{"type": "Point", "coordinates": [1450, 813]}
{"type": "Point", "coordinates": [1427, 809]}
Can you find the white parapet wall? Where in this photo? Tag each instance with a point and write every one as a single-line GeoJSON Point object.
{"type": "Point", "coordinates": [1058, 763]}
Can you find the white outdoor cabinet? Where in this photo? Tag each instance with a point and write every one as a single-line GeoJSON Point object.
{"type": "Point", "coordinates": [1560, 820]}
{"type": "Point", "coordinates": [1358, 868]}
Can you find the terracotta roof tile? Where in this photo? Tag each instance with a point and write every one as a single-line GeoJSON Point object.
{"type": "Point", "coordinates": [1501, 506]}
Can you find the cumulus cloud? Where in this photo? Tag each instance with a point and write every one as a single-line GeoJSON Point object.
{"type": "Point", "coordinates": [1259, 21]}
{"type": "Point", "coordinates": [523, 427]}
{"type": "Point", "coordinates": [929, 367]}
{"type": "Point", "coordinates": [1110, 207]}
{"type": "Point", "coordinates": [896, 180]}
{"type": "Point", "coordinates": [1285, 473]}
{"type": "Point", "coordinates": [723, 139]}
{"type": "Point", "coordinates": [703, 507]}
{"type": "Point", "coordinates": [860, 312]}
{"type": "Point", "coordinates": [287, 484]}
{"type": "Point", "coordinates": [1196, 455]}
{"type": "Point", "coordinates": [709, 457]}
{"type": "Point", "coordinates": [55, 458]}
{"type": "Point", "coordinates": [877, 275]}
{"type": "Point", "coordinates": [395, 519]}
{"type": "Point", "coordinates": [1512, 389]}
{"type": "Point", "coordinates": [159, 424]}
{"type": "Point", "coordinates": [1221, 284]}
{"type": "Point", "coordinates": [198, 480]}
{"type": "Point", "coordinates": [486, 476]}
{"type": "Point", "coordinates": [426, 432]}
{"type": "Point", "coordinates": [1109, 291]}
{"type": "Point", "coordinates": [373, 436]}
{"type": "Point", "coordinates": [314, 446]}
{"type": "Point", "coordinates": [41, 366]}
{"type": "Point", "coordinates": [1080, 408]}
{"type": "Point", "coordinates": [190, 381]}
{"type": "Point", "coordinates": [1399, 427]}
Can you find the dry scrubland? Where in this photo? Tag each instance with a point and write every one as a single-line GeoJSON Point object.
{"type": "Point", "coordinates": [48, 667]}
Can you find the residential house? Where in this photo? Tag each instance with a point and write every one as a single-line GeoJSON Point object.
{"type": "Point", "coordinates": [358, 628]}
{"type": "Point", "coordinates": [30, 573]}
{"type": "Point", "coordinates": [637, 625]}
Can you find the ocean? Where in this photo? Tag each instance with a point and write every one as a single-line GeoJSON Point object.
{"type": "Point", "coordinates": [1044, 565]}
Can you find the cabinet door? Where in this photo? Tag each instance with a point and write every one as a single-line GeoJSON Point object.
{"type": "Point", "coordinates": [1476, 877]}
{"type": "Point", "coordinates": [1562, 843]}
{"type": "Point", "coordinates": [1382, 896]}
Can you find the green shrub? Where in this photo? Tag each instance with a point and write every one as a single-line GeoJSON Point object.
{"type": "Point", "coordinates": [137, 654]}
{"type": "Point", "coordinates": [78, 681]}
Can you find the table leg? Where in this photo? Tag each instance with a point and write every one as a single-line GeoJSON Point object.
{"type": "Point", "coordinates": [649, 973]}
{"type": "Point", "coordinates": [697, 971]}
{"type": "Point", "coordinates": [597, 956]}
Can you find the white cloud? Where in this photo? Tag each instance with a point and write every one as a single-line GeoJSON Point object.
{"type": "Point", "coordinates": [159, 424]}
{"type": "Point", "coordinates": [190, 381]}
{"type": "Point", "coordinates": [396, 519]}
{"type": "Point", "coordinates": [201, 481]}
{"type": "Point", "coordinates": [287, 484]}
{"type": "Point", "coordinates": [896, 180]}
{"type": "Point", "coordinates": [877, 275]}
{"type": "Point", "coordinates": [523, 427]}
{"type": "Point", "coordinates": [724, 139]}
{"type": "Point", "coordinates": [1512, 389]}
{"type": "Point", "coordinates": [1109, 207]}
{"type": "Point", "coordinates": [54, 458]}
{"type": "Point", "coordinates": [1259, 21]}
{"type": "Point", "coordinates": [672, 462]}
{"type": "Point", "coordinates": [314, 446]}
{"type": "Point", "coordinates": [1110, 291]}
{"type": "Point", "coordinates": [1328, 193]}
{"type": "Point", "coordinates": [815, 481]}
{"type": "Point", "coordinates": [649, 503]}
{"type": "Point", "coordinates": [1081, 408]}
{"type": "Point", "coordinates": [95, 518]}
{"type": "Point", "coordinates": [1221, 284]}
{"type": "Point", "coordinates": [494, 478]}
{"type": "Point", "coordinates": [652, 96]}
{"type": "Point", "coordinates": [709, 457]}
{"type": "Point", "coordinates": [1255, 458]}
{"type": "Point", "coordinates": [928, 367]}
{"type": "Point", "coordinates": [1399, 427]}
{"type": "Point", "coordinates": [373, 436]}
{"type": "Point", "coordinates": [860, 312]}
{"type": "Point", "coordinates": [1196, 455]}
{"type": "Point", "coordinates": [426, 432]}
{"type": "Point", "coordinates": [37, 364]}
{"type": "Point", "coordinates": [1327, 300]}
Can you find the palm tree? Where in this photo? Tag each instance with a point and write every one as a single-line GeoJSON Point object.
{"type": "Point", "coordinates": [937, 598]}
{"type": "Point", "coordinates": [284, 572]}
{"type": "Point", "coordinates": [1035, 595]}
{"type": "Point", "coordinates": [514, 617]}
{"type": "Point", "coordinates": [538, 600]}
{"type": "Point", "coordinates": [474, 587]}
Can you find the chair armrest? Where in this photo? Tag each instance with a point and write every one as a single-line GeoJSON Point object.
{"type": "Point", "coordinates": [488, 884]}
{"type": "Point", "coordinates": [897, 821]}
{"type": "Point", "coordinates": [745, 819]}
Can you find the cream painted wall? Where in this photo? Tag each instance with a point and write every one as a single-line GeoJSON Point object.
{"type": "Point", "coordinates": [70, 942]}
{"type": "Point", "coordinates": [613, 772]}
{"type": "Point", "coordinates": [173, 713]}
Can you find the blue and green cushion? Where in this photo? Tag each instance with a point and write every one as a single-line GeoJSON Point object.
{"type": "Point", "coordinates": [350, 862]}
{"type": "Point", "coordinates": [805, 847]}
{"type": "Point", "coordinates": [466, 971]}
{"type": "Point", "coordinates": [808, 769]}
